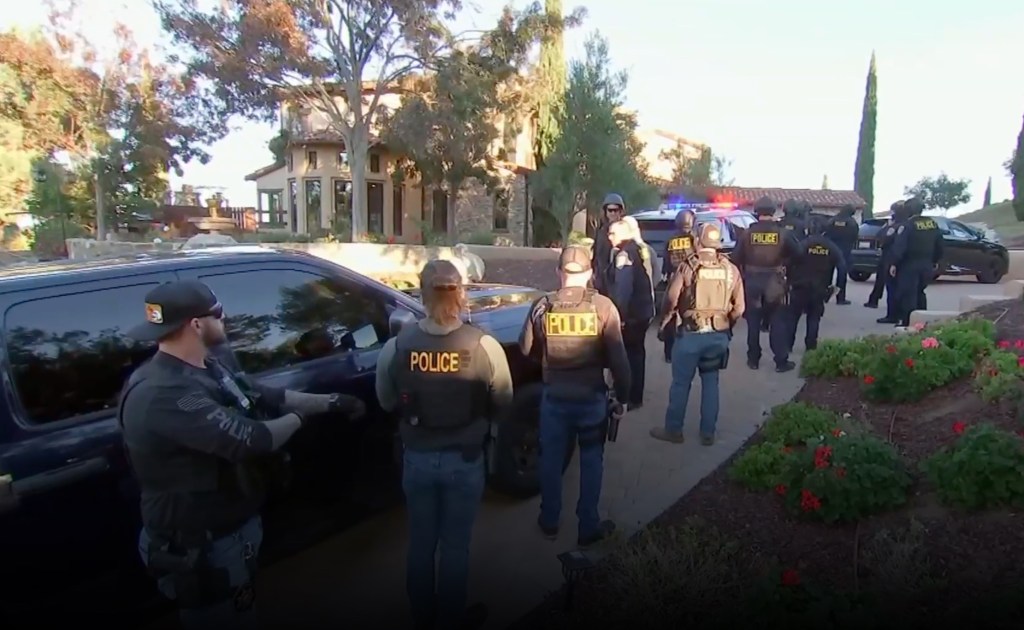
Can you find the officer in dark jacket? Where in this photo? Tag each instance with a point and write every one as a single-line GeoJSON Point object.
{"type": "Point", "coordinates": [200, 439]}
{"type": "Point", "coordinates": [633, 294]}
{"type": "Point", "coordinates": [883, 241]}
{"type": "Point", "coordinates": [447, 380]}
{"type": "Point", "coordinates": [886, 241]}
{"type": "Point", "coordinates": [843, 231]}
{"type": "Point", "coordinates": [577, 334]}
{"type": "Point", "coordinates": [793, 217]}
{"type": "Point", "coordinates": [679, 249]}
{"type": "Point", "coordinates": [613, 209]}
{"type": "Point", "coordinates": [762, 256]}
{"type": "Point", "coordinates": [810, 283]}
{"type": "Point", "coordinates": [708, 298]}
{"type": "Point", "coordinates": [916, 253]}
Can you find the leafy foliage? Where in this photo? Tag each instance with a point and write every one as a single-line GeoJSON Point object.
{"type": "Point", "coordinates": [794, 423]}
{"type": "Point", "coordinates": [983, 468]}
{"type": "Point", "coordinates": [697, 173]}
{"type": "Point", "coordinates": [760, 467]}
{"type": "Point", "coordinates": [940, 192]}
{"type": "Point", "coordinates": [999, 376]}
{"type": "Point", "coordinates": [864, 169]}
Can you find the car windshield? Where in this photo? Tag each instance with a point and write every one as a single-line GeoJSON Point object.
{"type": "Point", "coordinates": [656, 232]}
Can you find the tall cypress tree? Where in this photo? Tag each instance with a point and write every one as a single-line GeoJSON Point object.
{"type": "Point", "coordinates": [987, 201]}
{"type": "Point", "coordinates": [1017, 175]}
{"type": "Point", "coordinates": [552, 80]}
{"type": "Point", "coordinates": [864, 170]}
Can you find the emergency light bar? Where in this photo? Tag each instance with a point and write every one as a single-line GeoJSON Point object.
{"type": "Point", "coordinates": [718, 205]}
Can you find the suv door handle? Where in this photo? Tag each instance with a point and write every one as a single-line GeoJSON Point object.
{"type": "Point", "coordinates": [63, 476]}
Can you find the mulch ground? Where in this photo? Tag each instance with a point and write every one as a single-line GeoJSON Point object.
{"type": "Point", "coordinates": [965, 557]}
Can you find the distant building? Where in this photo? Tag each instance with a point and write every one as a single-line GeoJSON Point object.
{"type": "Point", "coordinates": [657, 141]}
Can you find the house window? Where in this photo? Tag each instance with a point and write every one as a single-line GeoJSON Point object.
{"type": "Point", "coordinates": [440, 204]}
{"type": "Point", "coordinates": [291, 161]}
{"type": "Point", "coordinates": [343, 159]}
{"type": "Point", "coordinates": [272, 207]}
{"type": "Point", "coordinates": [293, 204]}
{"type": "Point", "coordinates": [311, 160]}
{"type": "Point", "coordinates": [500, 210]}
{"type": "Point", "coordinates": [374, 163]}
{"type": "Point", "coordinates": [342, 201]}
{"type": "Point", "coordinates": [397, 209]}
{"type": "Point", "coordinates": [314, 200]}
{"type": "Point", "coordinates": [375, 207]}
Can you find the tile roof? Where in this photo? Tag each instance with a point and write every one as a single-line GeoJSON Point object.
{"type": "Point", "coordinates": [266, 170]}
{"type": "Point", "coordinates": [817, 198]}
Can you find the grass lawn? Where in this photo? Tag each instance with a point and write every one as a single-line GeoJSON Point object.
{"type": "Point", "coordinates": [999, 217]}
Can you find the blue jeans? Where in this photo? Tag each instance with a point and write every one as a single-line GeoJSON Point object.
{"type": "Point", "coordinates": [686, 354]}
{"type": "Point", "coordinates": [442, 496]}
{"type": "Point", "coordinates": [562, 420]}
{"type": "Point", "coordinates": [236, 553]}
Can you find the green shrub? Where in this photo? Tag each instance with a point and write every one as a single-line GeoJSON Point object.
{"type": "Point", "coordinates": [998, 376]}
{"type": "Point", "coordinates": [793, 423]}
{"type": "Point", "coordinates": [480, 238]}
{"type": "Point", "coordinates": [845, 477]}
{"type": "Point", "coordinates": [760, 467]}
{"type": "Point", "coordinates": [983, 468]}
{"type": "Point", "coordinates": [834, 358]}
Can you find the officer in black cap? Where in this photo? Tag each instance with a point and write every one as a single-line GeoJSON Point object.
{"type": "Point", "coordinates": [680, 249]}
{"type": "Point", "coordinates": [763, 254]}
{"type": "Point", "coordinates": [843, 230]}
{"type": "Point", "coordinates": [612, 210]}
{"type": "Point", "coordinates": [197, 449]}
{"type": "Point", "coordinates": [576, 334]}
{"type": "Point", "coordinates": [883, 242]}
{"type": "Point", "coordinates": [810, 282]}
{"type": "Point", "coordinates": [792, 217]}
{"type": "Point", "coordinates": [448, 380]}
{"type": "Point", "coordinates": [886, 241]}
{"type": "Point", "coordinates": [916, 252]}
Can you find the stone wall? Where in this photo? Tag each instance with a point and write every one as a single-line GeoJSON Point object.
{"type": "Point", "coordinates": [474, 210]}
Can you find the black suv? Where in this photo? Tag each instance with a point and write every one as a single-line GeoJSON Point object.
{"type": "Point", "coordinates": [69, 514]}
{"type": "Point", "coordinates": [968, 252]}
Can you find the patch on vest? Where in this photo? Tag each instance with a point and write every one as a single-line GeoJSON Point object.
{"type": "Point", "coordinates": [678, 243]}
{"type": "Point", "coordinates": [925, 224]}
{"type": "Point", "coordinates": [765, 238]}
{"type": "Point", "coordinates": [839, 223]}
{"type": "Point", "coordinates": [435, 362]}
{"type": "Point", "coordinates": [818, 250]}
{"type": "Point", "coordinates": [899, 230]}
{"type": "Point", "coordinates": [712, 273]}
{"type": "Point", "coordinates": [570, 324]}
{"type": "Point", "coordinates": [789, 226]}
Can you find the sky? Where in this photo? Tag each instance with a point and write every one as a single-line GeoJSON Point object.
{"type": "Point", "coordinates": [775, 86]}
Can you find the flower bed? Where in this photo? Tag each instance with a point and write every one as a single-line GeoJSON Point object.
{"type": "Point", "coordinates": [883, 496]}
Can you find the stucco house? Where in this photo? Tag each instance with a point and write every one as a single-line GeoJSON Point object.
{"type": "Point", "coordinates": [311, 189]}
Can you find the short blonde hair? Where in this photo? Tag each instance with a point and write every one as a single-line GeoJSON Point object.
{"type": "Point", "coordinates": [623, 226]}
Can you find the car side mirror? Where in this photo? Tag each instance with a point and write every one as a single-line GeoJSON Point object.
{"type": "Point", "coordinates": [399, 319]}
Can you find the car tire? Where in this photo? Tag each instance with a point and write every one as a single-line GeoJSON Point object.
{"type": "Point", "coordinates": [860, 276]}
{"type": "Point", "coordinates": [993, 273]}
{"type": "Point", "coordinates": [517, 446]}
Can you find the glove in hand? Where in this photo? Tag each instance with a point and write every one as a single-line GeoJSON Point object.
{"type": "Point", "coordinates": [352, 407]}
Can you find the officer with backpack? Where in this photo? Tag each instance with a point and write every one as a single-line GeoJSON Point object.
{"type": "Point", "coordinates": [708, 299]}
{"type": "Point", "coordinates": [810, 283]}
{"type": "Point", "coordinates": [679, 249]}
{"type": "Point", "coordinates": [576, 333]}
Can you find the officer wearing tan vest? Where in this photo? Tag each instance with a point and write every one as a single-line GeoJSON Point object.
{"type": "Point", "coordinates": [708, 298]}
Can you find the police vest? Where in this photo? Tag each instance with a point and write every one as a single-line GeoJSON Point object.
{"type": "Point", "coordinates": [572, 333]}
{"type": "Point", "coordinates": [707, 300]}
{"type": "Point", "coordinates": [921, 240]}
{"type": "Point", "coordinates": [765, 245]}
{"type": "Point", "coordinates": [680, 247]}
{"type": "Point", "coordinates": [442, 379]}
{"type": "Point", "coordinates": [815, 267]}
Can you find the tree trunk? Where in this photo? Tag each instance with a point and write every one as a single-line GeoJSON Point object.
{"type": "Point", "coordinates": [359, 157]}
{"type": "Point", "coordinates": [101, 227]}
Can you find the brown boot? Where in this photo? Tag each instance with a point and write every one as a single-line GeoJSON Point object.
{"type": "Point", "coordinates": [659, 433]}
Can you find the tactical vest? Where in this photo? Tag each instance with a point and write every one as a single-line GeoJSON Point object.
{"type": "Point", "coordinates": [815, 267]}
{"type": "Point", "coordinates": [765, 246]}
{"type": "Point", "coordinates": [921, 240]}
{"type": "Point", "coordinates": [679, 248]}
{"type": "Point", "coordinates": [572, 333]}
{"type": "Point", "coordinates": [442, 379]}
{"type": "Point", "coordinates": [706, 302]}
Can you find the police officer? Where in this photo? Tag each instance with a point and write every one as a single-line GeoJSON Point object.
{"type": "Point", "coordinates": [792, 217]}
{"type": "Point", "coordinates": [708, 298]}
{"type": "Point", "coordinates": [886, 241]}
{"type": "Point", "coordinates": [577, 334]}
{"type": "Point", "coordinates": [447, 380]}
{"type": "Point", "coordinates": [680, 249]}
{"type": "Point", "coordinates": [883, 241]}
{"type": "Point", "coordinates": [810, 283]}
{"type": "Point", "coordinates": [843, 231]}
{"type": "Point", "coordinates": [632, 291]}
{"type": "Point", "coordinates": [198, 437]}
{"type": "Point", "coordinates": [613, 209]}
{"type": "Point", "coordinates": [916, 253]}
{"type": "Point", "coordinates": [762, 256]}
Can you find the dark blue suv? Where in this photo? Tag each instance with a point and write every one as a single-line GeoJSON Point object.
{"type": "Point", "coordinates": [68, 505]}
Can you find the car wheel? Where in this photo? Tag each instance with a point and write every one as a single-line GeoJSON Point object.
{"type": "Point", "coordinates": [859, 276]}
{"type": "Point", "coordinates": [993, 273]}
{"type": "Point", "coordinates": [517, 446]}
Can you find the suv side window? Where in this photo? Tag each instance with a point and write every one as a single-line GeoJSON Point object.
{"type": "Point", "coordinates": [276, 318]}
{"type": "Point", "coordinates": [69, 354]}
{"type": "Point", "coordinates": [959, 230]}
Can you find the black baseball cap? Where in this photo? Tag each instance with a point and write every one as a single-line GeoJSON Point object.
{"type": "Point", "coordinates": [172, 305]}
{"type": "Point", "coordinates": [574, 259]}
{"type": "Point", "coordinates": [764, 206]}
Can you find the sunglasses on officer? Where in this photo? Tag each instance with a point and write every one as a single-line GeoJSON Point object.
{"type": "Point", "coordinates": [216, 311]}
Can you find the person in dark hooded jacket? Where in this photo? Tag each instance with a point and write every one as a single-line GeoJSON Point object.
{"type": "Point", "coordinates": [843, 230]}
{"type": "Point", "coordinates": [613, 209]}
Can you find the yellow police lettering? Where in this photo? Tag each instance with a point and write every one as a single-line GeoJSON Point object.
{"type": "Point", "coordinates": [818, 250]}
{"type": "Point", "coordinates": [925, 224]}
{"type": "Point", "coordinates": [678, 243]}
{"type": "Point", "coordinates": [570, 324]}
{"type": "Point", "coordinates": [434, 362]}
{"type": "Point", "coordinates": [712, 274]}
{"type": "Point", "coordinates": [764, 238]}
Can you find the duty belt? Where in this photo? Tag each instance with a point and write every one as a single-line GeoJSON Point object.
{"type": "Point", "coordinates": [760, 268]}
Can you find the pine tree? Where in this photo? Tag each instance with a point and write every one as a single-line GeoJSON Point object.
{"type": "Point", "coordinates": [1017, 175]}
{"type": "Point", "coordinates": [864, 170]}
{"type": "Point", "coordinates": [987, 201]}
{"type": "Point", "coordinates": [552, 82]}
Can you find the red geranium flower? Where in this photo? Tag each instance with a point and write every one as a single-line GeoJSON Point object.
{"type": "Point", "coordinates": [781, 490]}
{"type": "Point", "coordinates": [790, 577]}
{"type": "Point", "coordinates": [1005, 343]}
{"type": "Point", "coordinates": [837, 432]}
{"type": "Point", "coordinates": [1020, 361]}
{"type": "Point", "coordinates": [821, 455]}
{"type": "Point", "coordinates": [787, 449]}
{"type": "Point", "coordinates": [959, 427]}
{"type": "Point", "coordinates": [908, 362]}
{"type": "Point", "coordinates": [840, 472]}
{"type": "Point", "coordinates": [891, 349]}
{"type": "Point", "coordinates": [1019, 344]}
{"type": "Point", "coordinates": [869, 379]}
{"type": "Point", "coordinates": [809, 502]}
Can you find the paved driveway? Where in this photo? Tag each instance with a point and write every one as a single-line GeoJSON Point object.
{"type": "Point", "coordinates": [356, 580]}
